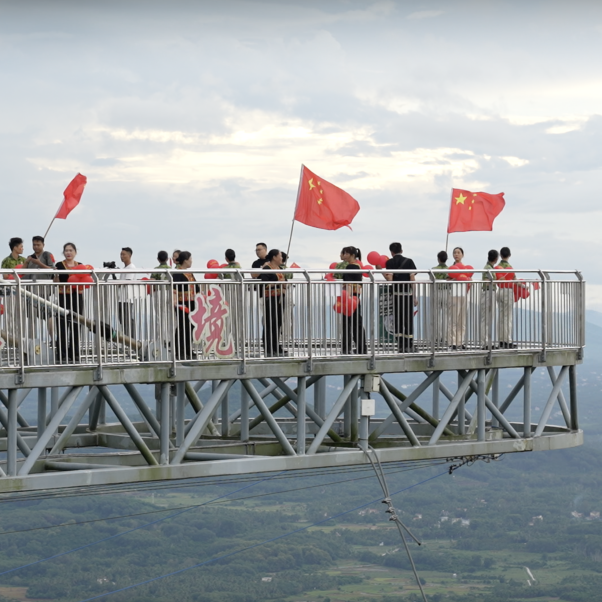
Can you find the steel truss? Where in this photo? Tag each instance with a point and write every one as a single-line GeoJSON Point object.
{"type": "Point", "coordinates": [275, 424]}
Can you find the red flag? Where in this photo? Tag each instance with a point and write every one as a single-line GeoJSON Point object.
{"type": "Point", "coordinates": [472, 211]}
{"type": "Point", "coordinates": [323, 205]}
{"type": "Point", "coordinates": [72, 194]}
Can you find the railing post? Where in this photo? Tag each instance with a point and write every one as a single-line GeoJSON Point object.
{"type": "Point", "coordinates": [544, 315]}
{"type": "Point", "coordinates": [310, 323]}
{"type": "Point", "coordinates": [172, 325]}
{"type": "Point", "coordinates": [99, 328]}
{"type": "Point", "coordinates": [20, 328]}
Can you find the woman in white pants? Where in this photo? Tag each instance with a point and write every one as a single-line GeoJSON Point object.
{"type": "Point", "coordinates": [456, 324]}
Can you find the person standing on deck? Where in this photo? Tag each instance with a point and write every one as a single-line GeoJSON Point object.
{"type": "Point", "coordinates": [404, 298]}
{"type": "Point", "coordinates": [505, 300]}
{"type": "Point", "coordinates": [487, 303]}
{"type": "Point", "coordinates": [443, 290]}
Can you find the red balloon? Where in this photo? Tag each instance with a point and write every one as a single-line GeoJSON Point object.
{"type": "Point", "coordinates": [330, 277]}
{"type": "Point", "coordinates": [374, 257]}
{"type": "Point", "coordinates": [333, 265]}
{"type": "Point", "coordinates": [223, 265]}
{"type": "Point", "coordinates": [211, 276]}
{"type": "Point", "coordinates": [212, 263]}
{"type": "Point", "coordinates": [149, 288]}
{"type": "Point", "coordinates": [383, 261]}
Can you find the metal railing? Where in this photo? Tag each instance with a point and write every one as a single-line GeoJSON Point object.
{"type": "Point", "coordinates": [303, 314]}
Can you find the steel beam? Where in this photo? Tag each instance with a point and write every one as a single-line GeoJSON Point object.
{"type": "Point", "coordinates": [68, 400]}
{"type": "Point", "coordinates": [268, 417]}
{"type": "Point", "coordinates": [127, 425]}
{"type": "Point", "coordinates": [332, 415]}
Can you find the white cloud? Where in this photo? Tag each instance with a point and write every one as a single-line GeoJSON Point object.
{"type": "Point", "coordinates": [425, 14]}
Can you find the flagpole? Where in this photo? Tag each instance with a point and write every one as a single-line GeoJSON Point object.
{"type": "Point", "coordinates": [451, 200]}
{"type": "Point", "coordinates": [52, 222]}
{"type": "Point", "coordinates": [288, 249]}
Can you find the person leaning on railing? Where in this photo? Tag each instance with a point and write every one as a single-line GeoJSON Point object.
{"type": "Point", "coordinates": [185, 290]}
{"type": "Point", "coordinates": [272, 292]}
{"type": "Point", "coordinates": [71, 299]}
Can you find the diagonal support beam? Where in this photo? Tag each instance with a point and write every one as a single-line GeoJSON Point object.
{"type": "Point", "coordinates": [545, 415]}
{"type": "Point", "coordinates": [419, 411]}
{"type": "Point", "coordinates": [144, 410]}
{"type": "Point", "coordinates": [409, 400]}
{"type": "Point", "coordinates": [263, 394]}
{"type": "Point", "coordinates": [127, 425]}
{"type": "Point", "coordinates": [452, 407]}
{"type": "Point", "coordinates": [561, 399]}
{"type": "Point", "coordinates": [201, 420]}
{"type": "Point", "coordinates": [74, 422]}
{"type": "Point", "coordinates": [50, 431]}
{"type": "Point", "coordinates": [197, 404]}
{"type": "Point", "coordinates": [23, 393]}
{"type": "Point", "coordinates": [333, 414]}
{"type": "Point", "coordinates": [281, 403]}
{"type": "Point", "coordinates": [269, 418]}
{"type": "Point", "coordinates": [397, 413]}
{"type": "Point", "coordinates": [313, 415]}
{"type": "Point", "coordinates": [515, 391]}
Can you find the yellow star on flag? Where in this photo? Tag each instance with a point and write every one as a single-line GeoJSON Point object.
{"type": "Point", "coordinates": [311, 184]}
{"type": "Point", "coordinates": [460, 199]}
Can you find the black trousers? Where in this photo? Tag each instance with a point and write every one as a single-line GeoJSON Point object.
{"type": "Point", "coordinates": [183, 333]}
{"type": "Point", "coordinates": [68, 329]}
{"type": "Point", "coordinates": [126, 318]}
{"type": "Point", "coordinates": [403, 314]}
{"type": "Point", "coordinates": [272, 324]}
{"type": "Point", "coordinates": [353, 332]}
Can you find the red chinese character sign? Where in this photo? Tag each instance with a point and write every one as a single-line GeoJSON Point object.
{"type": "Point", "coordinates": [209, 322]}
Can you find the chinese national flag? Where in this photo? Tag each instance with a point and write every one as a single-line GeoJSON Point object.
{"type": "Point", "coordinates": [472, 211]}
{"type": "Point", "coordinates": [73, 194]}
{"type": "Point", "coordinates": [323, 205]}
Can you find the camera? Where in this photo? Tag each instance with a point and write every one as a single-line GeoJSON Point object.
{"type": "Point", "coordinates": [111, 265]}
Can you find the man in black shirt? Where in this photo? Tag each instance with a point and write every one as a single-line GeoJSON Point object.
{"type": "Point", "coordinates": [403, 298]}
{"type": "Point", "coordinates": [261, 250]}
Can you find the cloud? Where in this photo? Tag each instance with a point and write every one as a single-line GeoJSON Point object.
{"type": "Point", "coordinates": [425, 14]}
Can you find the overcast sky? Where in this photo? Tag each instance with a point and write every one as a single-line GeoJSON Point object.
{"type": "Point", "coordinates": [191, 121]}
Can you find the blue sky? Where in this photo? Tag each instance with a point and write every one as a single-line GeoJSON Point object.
{"type": "Point", "coordinates": [191, 121]}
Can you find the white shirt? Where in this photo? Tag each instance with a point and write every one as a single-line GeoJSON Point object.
{"type": "Point", "coordinates": [128, 293]}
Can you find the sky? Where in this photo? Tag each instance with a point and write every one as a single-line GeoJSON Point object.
{"type": "Point", "coordinates": [191, 120]}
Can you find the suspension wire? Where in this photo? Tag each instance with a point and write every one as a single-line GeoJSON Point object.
{"type": "Point", "coordinates": [262, 543]}
{"type": "Point", "coordinates": [183, 483]}
{"type": "Point", "coordinates": [210, 503]}
{"type": "Point", "coordinates": [380, 475]}
{"type": "Point", "coordinates": [124, 532]}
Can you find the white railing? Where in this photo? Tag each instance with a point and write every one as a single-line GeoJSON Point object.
{"type": "Point", "coordinates": [109, 321]}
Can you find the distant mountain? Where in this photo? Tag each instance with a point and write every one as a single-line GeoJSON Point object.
{"type": "Point", "coordinates": [593, 317]}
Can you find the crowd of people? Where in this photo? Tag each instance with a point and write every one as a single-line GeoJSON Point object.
{"type": "Point", "coordinates": [399, 305]}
